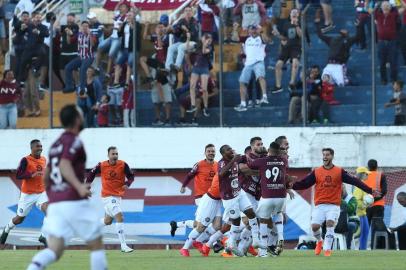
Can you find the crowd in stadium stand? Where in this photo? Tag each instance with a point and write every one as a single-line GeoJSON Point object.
{"type": "Point", "coordinates": [79, 50]}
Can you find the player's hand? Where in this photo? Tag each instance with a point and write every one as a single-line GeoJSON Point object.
{"type": "Point", "coordinates": [291, 194]}
{"type": "Point", "coordinates": [376, 193]}
{"type": "Point", "coordinates": [182, 190]}
{"type": "Point", "coordinates": [125, 187]}
{"type": "Point", "coordinates": [84, 190]}
{"type": "Point", "coordinates": [23, 26]}
{"type": "Point", "coordinates": [237, 157]}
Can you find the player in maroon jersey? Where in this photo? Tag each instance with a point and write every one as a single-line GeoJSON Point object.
{"type": "Point", "coordinates": [234, 201]}
{"type": "Point", "coordinates": [69, 212]}
{"type": "Point", "coordinates": [272, 170]}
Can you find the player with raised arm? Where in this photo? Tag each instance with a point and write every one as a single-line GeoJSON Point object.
{"type": "Point", "coordinates": [113, 178]}
{"type": "Point", "coordinates": [234, 201]}
{"type": "Point", "coordinates": [30, 171]}
{"type": "Point", "coordinates": [272, 170]}
{"type": "Point", "coordinates": [202, 173]}
{"type": "Point", "coordinates": [69, 213]}
{"type": "Point", "coordinates": [328, 181]}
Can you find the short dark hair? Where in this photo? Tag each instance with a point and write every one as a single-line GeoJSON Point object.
{"type": "Point", "coordinates": [25, 12]}
{"type": "Point", "coordinates": [5, 73]}
{"type": "Point", "coordinates": [208, 146]}
{"type": "Point", "coordinates": [279, 139]}
{"type": "Point", "coordinates": [85, 22]}
{"type": "Point", "coordinates": [401, 194]}
{"type": "Point", "coordinates": [71, 14]}
{"type": "Point", "coordinates": [328, 149]}
{"type": "Point", "coordinates": [372, 164]}
{"type": "Point", "coordinates": [400, 83]}
{"type": "Point", "coordinates": [35, 13]}
{"type": "Point", "coordinates": [68, 115]}
{"type": "Point", "coordinates": [254, 139]}
{"type": "Point", "coordinates": [222, 148]}
{"type": "Point", "coordinates": [274, 146]}
{"type": "Point", "coordinates": [34, 141]}
{"type": "Point", "coordinates": [248, 148]}
{"type": "Point", "coordinates": [315, 67]}
{"type": "Point", "coordinates": [111, 148]}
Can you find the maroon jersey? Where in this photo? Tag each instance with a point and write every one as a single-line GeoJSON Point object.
{"type": "Point", "coordinates": [250, 183]}
{"type": "Point", "coordinates": [70, 147]}
{"type": "Point", "coordinates": [229, 185]}
{"type": "Point", "coordinates": [272, 170]}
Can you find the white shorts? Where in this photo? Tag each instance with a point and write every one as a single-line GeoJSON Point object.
{"type": "Point", "coordinates": [323, 212]}
{"type": "Point", "coordinates": [234, 207]}
{"type": "Point", "coordinates": [253, 201]}
{"type": "Point", "coordinates": [267, 207]}
{"type": "Point", "coordinates": [208, 209]}
{"type": "Point", "coordinates": [68, 219]}
{"type": "Point", "coordinates": [336, 72]}
{"type": "Point", "coordinates": [112, 205]}
{"type": "Point", "coordinates": [27, 201]}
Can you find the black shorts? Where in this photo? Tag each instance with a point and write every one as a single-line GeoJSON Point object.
{"type": "Point", "coordinates": [289, 52]}
{"type": "Point", "coordinates": [152, 62]}
{"type": "Point", "coordinates": [65, 59]}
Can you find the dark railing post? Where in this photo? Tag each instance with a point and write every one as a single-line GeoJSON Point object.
{"type": "Point", "coordinates": [50, 73]}
{"type": "Point", "coordinates": [221, 40]}
{"type": "Point", "coordinates": [134, 72]}
{"type": "Point", "coordinates": [373, 69]}
{"type": "Point", "coordinates": [304, 65]}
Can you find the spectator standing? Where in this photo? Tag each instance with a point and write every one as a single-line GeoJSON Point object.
{"type": "Point", "coordinates": [9, 95]}
{"type": "Point", "coordinates": [227, 8]}
{"type": "Point", "coordinates": [208, 13]}
{"type": "Point", "coordinates": [402, 35]}
{"type": "Point", "coordinates": [103, 111]}
{"type": "Point", "coordinates": [96, 28]}
{"type": "Point", "coordinates": [252, 12]}
{"type": "Point", "coordinates": [362, 21]}
{"type": "Point", "coordinates": [399, 101]}
{"type": "Point", "coordinates": [291, 48]}
{"type": "Point", "coordinates": [362, 173]}
{"type": "Point", "coordinates": [314, 88]}
{"type": "Point", "coordinates": [20, 26]}
{"type": "Point", "coordinates": [128, 106]}
{"type": "Point", "coordinates": [3, 33]}
{"type": "Point", "coordinates": [328, 15]}
{"type": "Point", "coordinates": [353, 221]}
{"type": "Point", "coordinates": [387, 25]}
{"type": "Point", "coordinates": [254, 49]}
{"type": "Point", "coordinates": [84, 59]}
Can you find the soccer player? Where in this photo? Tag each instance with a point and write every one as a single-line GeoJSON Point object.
{"type": "Point", "coordinates": [234, 201]}
{"type": "Point", "coordinates": [69, 213]}
{"type": "Point", "coordinates": [113, 178]}
{"type": "Point", "coordinates": [208, 215]}
{"type": "Point", "coordinates": [203, 173]}
{"type": "Point", "coordinates": [328, 180]}
{"type": "Point", "coordinates": [30, 171]}
{"type": "Point", "coordinates": [272, 170]}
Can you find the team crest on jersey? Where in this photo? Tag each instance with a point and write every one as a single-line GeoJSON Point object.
{"type": "Point", "coordinates": [20, 210]}
{"type": "Point", "coordinates": [234, 183]}
{"type": "Point", "coordinates": [112, 174]}
{"type": "Point", "coordinates": [232, 212]}
{"type": "Point", "coordinates": [39, 168]}
{"type": "Point", "coordinates": [113, 201]}
{"type": "Point", "coordinates": [212, 173]}
{"type": "Point", "coordinates": [207, 219]}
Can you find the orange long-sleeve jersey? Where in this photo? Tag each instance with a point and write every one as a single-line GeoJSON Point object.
{"type": "Point", "coordinates": [203, 173]}
{"type": "Point", "coordinates": [28, 166]}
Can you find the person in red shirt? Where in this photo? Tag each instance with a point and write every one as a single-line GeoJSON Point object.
{"type": "Point", "coordinates": [208, 14]}
{"type": "Point", "coordinates": [128, 105]}
{"type": "Point", "coordinates": [327, 97]}
{"type": "Point", "coordinates": [113, 178]}
{"type": "Point", "coordinates": [328, 180]}
{"type": "Point", "coordinates": [9, 95]}
{"type": "Point", "coordinates": [103, 111]}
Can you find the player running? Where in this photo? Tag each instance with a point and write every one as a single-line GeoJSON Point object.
{"type": "Point", "coordinates": [113, 178]}
{"type": "Point", "coordinates": [30, 171]}
{"type": "Point", "coordinates": [208, 215]}
{"type": "Point", "coordinates": [203, 173]}
{"type": "Point", "coordinates": [234, 201]}
{"type": "Point", "coordinates": [272, 170]}
{"type": "Point", "coordinates": [328, 180]}
{"type": "Point", "coordinates": [69, 212]}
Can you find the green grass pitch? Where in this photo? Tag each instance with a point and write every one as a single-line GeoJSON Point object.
{"type": "Point", "coordinates": [171, 260]}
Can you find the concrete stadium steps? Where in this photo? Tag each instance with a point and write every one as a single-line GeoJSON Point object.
{"type": "Point", "coordinates": [59, 100]}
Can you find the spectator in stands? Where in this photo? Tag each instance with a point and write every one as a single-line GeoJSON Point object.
{"type": "Point", "coordinates": [362, 173]}
{"type": "Point", "coordinates": [103, 111]}
{"type": "Point", "coordinates": [387, 25]}
{"type": "Point", "coordinates": [200, 72]}
{"type": "Point", "coordinates": [96, 28]}
{"type": "Point", "coordinates": [183, 96]}
{"type": "Point", "coordinates": [3, 34]}
{"type": "Point", "coordinates": [338, 55]}
{"type": "Point", "coordinates": [9, 95]}
{"type": "Point", "coordinates": [112, 43]}
{"type": "Point", "coordinates": [314, 88]}
{"type": "Point", "coordinates": [402, 34]}
{"type": "Point", "coordinates": [291, 49]}
{"type": "Point", "coordinates": [362, 21]}
{"type": "Point", "coordinates": [227, 7]}
{"type": "Point", "coordinates": [187, 24]}
{"type": "Point", "coordinates": [252, 12]}
{"type": "Point", "coordinates": [128, 106]}
{"type": "Point", "coordinates": [399, 101]}
{"type": "Point", "coordinates": [84, 59]}
{"type": "Point", "coordinates": [20, 26]}
{"type": "Point", "coordinates": [254, 49]}
{"type": "Point", "coordinates": [353, 221]}
{"type": "Point", "coordinates": [69, 42]}
{"type": "Point", "coordinates": [328, 15]}
{"type": "Point", "coordinates": [208, 14]}
{"type": "Point", "coordinates": [36, 32]}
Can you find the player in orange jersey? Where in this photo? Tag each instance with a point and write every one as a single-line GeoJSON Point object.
{"type": "Point", "coordinates": [208, 215]}
{"type": "Point", "coordinates": [113, 177]}
{"type": "Point", "coordinates": [328, 180]}
{"type": "Point", "coordinates": [30, 171]}
{"type": "Point", "coordinates": [203, 173]}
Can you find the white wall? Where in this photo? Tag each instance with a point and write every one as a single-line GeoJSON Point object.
{"type": "Point", "coordinates": [170, 148]}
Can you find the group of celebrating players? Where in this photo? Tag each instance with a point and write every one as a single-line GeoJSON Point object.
{"type": "Point", "coordinates": [251, 188]}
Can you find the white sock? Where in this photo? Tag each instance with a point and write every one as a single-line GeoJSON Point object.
{"type": "Point", "coordinates": [328, 239]}
{"type": "Point", "coordinates": [263, 234]}
{"type": "Point", "coordinates": [120, 233]}
{"type": "Point", "coordinates": [216, 236]}
{"type": "Point", "coordinates": [273, 235]}
{"type": "Point", "coordinates": [192, 237]}
{"type": "Point", "coordinates": [98, 260]}
{"type": "Point", "coordinates": [206, 234]}
{"type": "Point", "coordinates": [235, 233]}
{"type": "Point", "coordinates": [9, 226]}
{"type": "Point", "coordinates": [245, 239]}
{"type": "Point", "coordinates": [279, 228]}
{"type": "Point", "coordinates": [243, 103]}
{"type": "Point", "coordinates": [264, 96]}
{"type": "Point", "coordinates": [254, 227]}
{"type": "Point", "coordinates": [186, 223]}
{"type": "Point", "coordinates": [317, 234]}
{"type": "Point", "coordinates": [42, 259]}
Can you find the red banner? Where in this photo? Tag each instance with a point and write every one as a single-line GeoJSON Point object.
{"type": "Point", "coordinates": [147, 4]}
